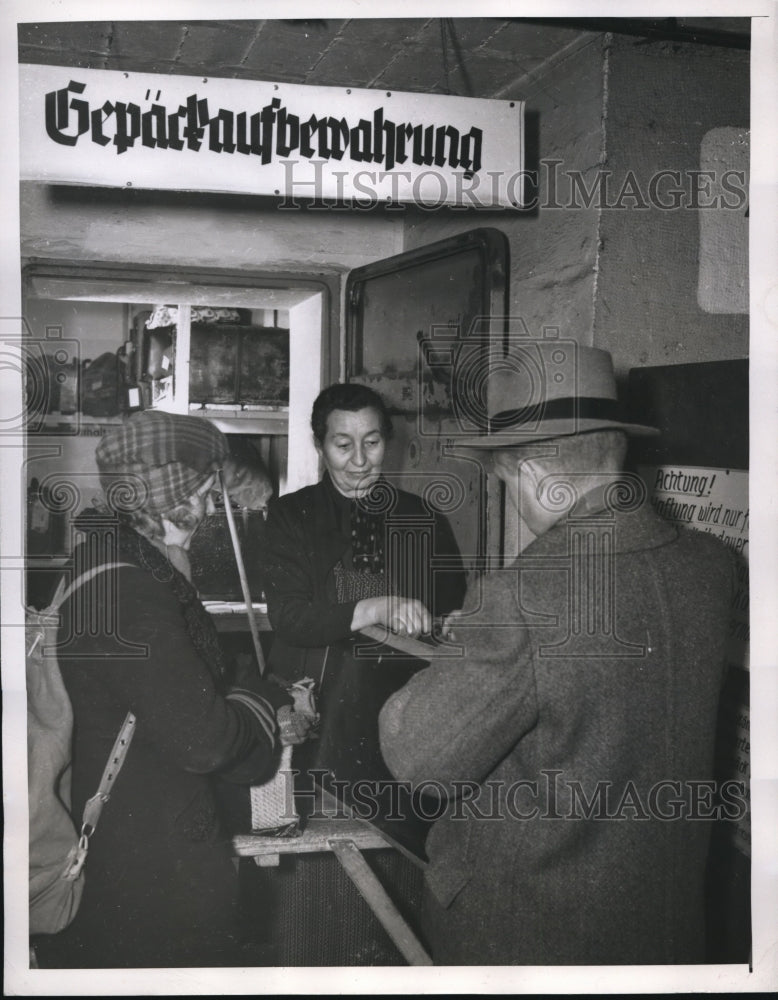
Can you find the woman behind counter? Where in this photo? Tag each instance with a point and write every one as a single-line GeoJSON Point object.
{"type": "Point", "coordinates": [327, 574]}
{"type": "Point", "coordinates": [335, 560]}
{"type": "Point", "coordinates": [161, 889]}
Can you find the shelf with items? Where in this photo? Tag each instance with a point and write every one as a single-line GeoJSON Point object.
{"type": "Point", "coordinates": [215, 362]}
{"type": "Point", "coordinates": [79, 363]}
{"type": "Point", "coordinates": [99, 361]}
{"type": "Point", "coordinates": [270, 333]}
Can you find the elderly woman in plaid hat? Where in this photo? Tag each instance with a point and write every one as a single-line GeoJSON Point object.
{"type": "Point", "coordinates": [161, 887]}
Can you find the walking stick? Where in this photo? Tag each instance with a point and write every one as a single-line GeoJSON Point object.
{"type": "Point", "coordinates": [244, 583]}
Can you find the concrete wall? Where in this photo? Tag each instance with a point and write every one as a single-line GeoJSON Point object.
{"type": "Point", "coordinates": [606, 267]}
{"type": "Point", "coordinates": [553, 252]}
{"type": "Point", "coordinates": [662, 100]}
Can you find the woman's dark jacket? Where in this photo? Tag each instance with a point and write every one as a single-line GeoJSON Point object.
{"type": "Point", "coordinates": [161, 887]}
{"type": "Point", "coordinates": [305, 539]}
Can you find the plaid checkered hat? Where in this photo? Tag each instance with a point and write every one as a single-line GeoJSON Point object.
{"type": "Point", "coordinates": [158, 460]}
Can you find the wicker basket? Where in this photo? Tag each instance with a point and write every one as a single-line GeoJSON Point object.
{"type": "Point", "coordinates": [273, 811]}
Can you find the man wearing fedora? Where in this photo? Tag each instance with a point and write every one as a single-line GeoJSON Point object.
{"type": "Point", "coordinates": [565, 739]}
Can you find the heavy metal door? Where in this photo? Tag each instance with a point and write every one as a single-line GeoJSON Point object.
{"type": "Point", "coordinates": [420, 329]}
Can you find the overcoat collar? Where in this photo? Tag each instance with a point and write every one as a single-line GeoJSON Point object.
{"type": "Point", "coordinates": [632, 531]}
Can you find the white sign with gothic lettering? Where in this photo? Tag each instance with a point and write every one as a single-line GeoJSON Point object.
{"type": "Point", "coordinates": [330, 144]}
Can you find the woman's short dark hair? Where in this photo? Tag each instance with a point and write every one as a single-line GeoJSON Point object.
{"type": "Point", "coordinates": [347, 396]}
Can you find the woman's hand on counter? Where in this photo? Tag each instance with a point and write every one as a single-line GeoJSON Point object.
{"type": "Point", "coordinates": [400, 614]}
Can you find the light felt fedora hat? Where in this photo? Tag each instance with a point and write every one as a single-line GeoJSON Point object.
{"type": "Point", "coordinates": [547, 389]}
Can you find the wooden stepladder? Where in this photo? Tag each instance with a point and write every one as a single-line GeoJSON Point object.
{"type": "Point", "coordinates": [346, 839]}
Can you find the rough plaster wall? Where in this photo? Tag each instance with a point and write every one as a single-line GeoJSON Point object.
{"type": "Point", "coordinates": [197, 230]}
{"type": "Point", "coordinates": [552, 250]}
{"type": "Point", "coordinates": [662, 100]}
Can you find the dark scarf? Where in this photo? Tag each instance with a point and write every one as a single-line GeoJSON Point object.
{"type": "Point", "coordinates": [365, 529]}
{"type": "Point", "coordinates": [367, 539]}
{"type": "Point", "coordinates": [134, 548]}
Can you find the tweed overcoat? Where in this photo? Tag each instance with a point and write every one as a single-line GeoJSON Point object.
{"type": "Point", "coordinates": [586, 689]}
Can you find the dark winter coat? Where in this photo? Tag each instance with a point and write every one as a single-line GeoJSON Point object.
{"type": "Point", "coordinates": [304, 541]}
{"type": "Point", "coordinates": [589, 675]}
{"type": "Point", "coordinates": [306, 538]}
{"type": "Point", "coordinates": [161, 886]}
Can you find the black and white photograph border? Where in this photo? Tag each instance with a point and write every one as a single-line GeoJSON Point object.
{"type": "Point", "coordinates": [761, 312]}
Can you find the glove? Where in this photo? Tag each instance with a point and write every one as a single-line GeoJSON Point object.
{"type": "Point", "coordinates": [299, 721]}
